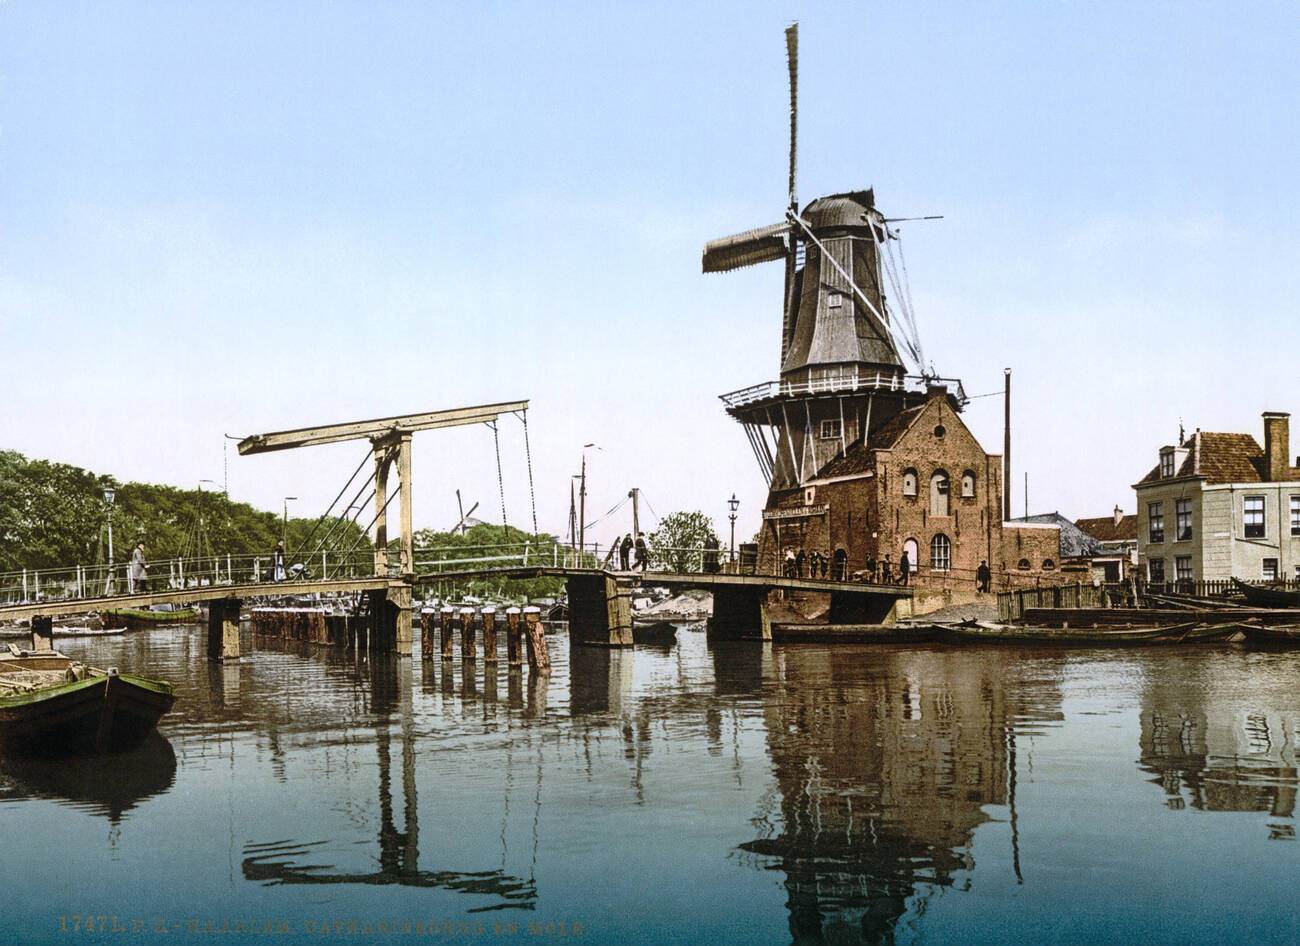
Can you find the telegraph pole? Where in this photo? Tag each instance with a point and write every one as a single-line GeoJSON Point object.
{"type": "Point", "coordinates": [1006, 448]}
{"type": "Point", "coordinates": [635, 494]}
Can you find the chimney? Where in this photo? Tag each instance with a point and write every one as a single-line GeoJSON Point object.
{"type": "Point", "coordinates": [1277, 444]}
{"type": "Point", "coordinates": [1119, 515]}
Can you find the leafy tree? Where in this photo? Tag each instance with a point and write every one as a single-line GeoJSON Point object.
{"type": "Point", "coordinates": [477, 547]}
{"type": "Point", "coordinates": [678, 543]}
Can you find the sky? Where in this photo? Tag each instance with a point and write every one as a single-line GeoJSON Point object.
{"type": "Point", "coordinates": [231, 218]}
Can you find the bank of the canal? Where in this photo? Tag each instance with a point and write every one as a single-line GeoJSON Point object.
{"type": "Point", "coordinates": [747, 794]}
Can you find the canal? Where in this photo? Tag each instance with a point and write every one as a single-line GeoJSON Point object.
{"type": "Point", "coordinates": [743, 794]}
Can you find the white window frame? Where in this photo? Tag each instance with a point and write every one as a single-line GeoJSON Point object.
{"type": "Point", "coordinates": [1182, 508]}
{"type": "Point", "coordinates": [1179, 562]}
{"type": "Point", "coordinates": [829, 429]}
{"type": "Point", "coordinates": [1247, 513]}
{"type": "Point", "coordinates": [940, 562]}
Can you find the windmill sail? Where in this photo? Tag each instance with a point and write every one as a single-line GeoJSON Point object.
{"type": "Point", "coordinates": [746, 249]}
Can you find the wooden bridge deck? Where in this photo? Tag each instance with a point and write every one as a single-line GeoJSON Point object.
{"type": "Point", "coordinates": [57, 608]}
{"type": "Point", "coordinates": [673, 579]}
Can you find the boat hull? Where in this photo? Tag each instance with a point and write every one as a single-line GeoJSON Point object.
{"type": "Point", "coordinates": [1267, 597]}
{"type": "Point", "coordinates": [1288, 636]}
{"type": "Point", "coordinates": [99, 714]}
{"type": "Point", "coordinates": [1075, 637]}
{"type": "Point", "coordinates": [134, 620]}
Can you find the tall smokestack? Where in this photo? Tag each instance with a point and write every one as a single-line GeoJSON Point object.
{"type": "Point", "coordinates": [1006, 449]}
{"type": "Point", "coordinates": [1277, 444]}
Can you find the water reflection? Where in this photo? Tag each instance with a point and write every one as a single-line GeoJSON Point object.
{"type": "Point", "coordinates": [107, 785]}
{"type": "Point", "coordinates": [885, 762]}
{"type": "Point", "coordinates": [1212, 748]}
{"type": "Point", "coordinates": [398, 849]}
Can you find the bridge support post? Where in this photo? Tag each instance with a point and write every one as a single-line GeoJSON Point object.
{"type": "Point", "coordinates": [42, 632]}
{"type": "Point", "coordinates": [445, 623]}
{"type": "Point", "coordinates": [426, 634]}
{"type": "Point", "coordinates": [223, 629]}
{"type": "Point", "coordinates": [739, 614]}
{"type": "Point", "coordinates": [514, 658]}
{"type": "Point", "coordinates": [539, 660]}
{"type": "Point", "coordinates": [399, 599]}
{"type": "Point", "coordinates": [600, 610]}
{"type": "Point", "coordinates": [856, 607]}
{"type": "Point", "coordinates": [489, 635]}
{"type": "Point", "coordinates": [467, 642]}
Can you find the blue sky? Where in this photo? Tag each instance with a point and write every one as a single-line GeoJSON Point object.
{"type": "Point", "coordinates": [237, 217]}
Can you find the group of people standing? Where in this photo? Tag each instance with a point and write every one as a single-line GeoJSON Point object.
{"type": "Point", "coordinates": [627, 547]}
{"type": "Point", "coordinates": [819, 564]}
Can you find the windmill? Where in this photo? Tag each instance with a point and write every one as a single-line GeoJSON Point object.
{"type": "Point", "coordinates": [462, 525]}
{"type": "Point", "coordinates": [846, 349]}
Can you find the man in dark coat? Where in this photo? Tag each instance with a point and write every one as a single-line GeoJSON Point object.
{"type": "Point", "coordinates": [625, 553]}
{"type": "Point", "coordinates": [642, 553]}
{"type": "Point", "coordinates": [983, 577]}
{"type": "Point", "coordinates": [904, 568]}
{"type": "Point", "coordinates": [886, 571]}
{"type": "Point", "coordinates": [799, 557]}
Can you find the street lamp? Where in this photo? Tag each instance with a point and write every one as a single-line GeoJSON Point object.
{"type": "Point", "coordinates": [734, 504]}
{"type": "Point", "coordinates": [109, 495]}
{"type": "Point", "coordinates": [284, 531]}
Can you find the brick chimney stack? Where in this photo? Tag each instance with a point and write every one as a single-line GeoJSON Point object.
{"type": "Point", "coordinates": [1119, 515]}
{"type": "Point", "coordinates": [1277, 444]}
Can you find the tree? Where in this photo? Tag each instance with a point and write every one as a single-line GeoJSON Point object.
{"type": "Point", "coordinates": [476, 547]}
{"type": "Point", "coordinates": [678, 543]}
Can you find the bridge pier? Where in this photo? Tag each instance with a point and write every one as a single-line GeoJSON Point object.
{"type": "Point", "coordinates": [514, 659]}
{"type": "Point", "coordinates": [467, 642]}
{"type": "Point", "coordinates": [853, 607]}
{"type": "Point", "coordinates": [490, 635]}
{"type": "Point", "coordinates": [600, 610]}
{"type": "Point", "coordinates": [223, 629]}
{"type": "Point", "coordinates": [391, 628]}
{"type": "Point", "coordinates": [42, 632]}
{"type": "Point", "coordinates": [444, 619]}
{"type": "Point", "coordinates": [739, 614]}
{"type": "Point", "coordinates": [539, 659]}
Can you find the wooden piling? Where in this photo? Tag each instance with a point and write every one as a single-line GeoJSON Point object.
{"type": "Point", "coordinates": [513, 656]}
{"type": "Point", "coordinates": [426, 633]}
{"type": "Point", "coordinates": [490, 635]}
{"type": "Point", "coordinates": [467, 643]}
{"type": "Point", "coordinates": [445, 618]}
{"type": "Point", "coordinates": [539, 661]}
{"type": "Point", "coordinates": [42, 633]}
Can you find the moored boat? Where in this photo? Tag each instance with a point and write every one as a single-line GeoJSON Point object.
{"type": "Point", "coordinates": [989, 632]}
{"type": "Point", "coordinates": [1266, 597]}
{"type": "Point", "coordinates": [53, 705]}
{"type": "Point", "coordinates": [654, 632]}
{"type": "Point", "coordinates": [138, 618]}
{"type": "Point", "coordinates": [901, 633]}
{"type": "Point", "coordinates": [1278, 635]}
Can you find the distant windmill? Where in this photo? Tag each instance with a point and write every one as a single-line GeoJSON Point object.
{"type": "Point", "coordinates": [463, 525]}
{"type": "Point", "coordinates": [842, 345]}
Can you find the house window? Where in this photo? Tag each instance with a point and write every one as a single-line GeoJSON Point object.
{"type": "Point", "coordinates": [939, 431]}
{"type": "Point", "coordinates": [1156, 522]}
{"type": "Point", "coordinates": [1156, 570]}
{"type": "Point", "coordinates": [909, 482]}
{"type": "Point", "coordinates": [830, 430]}
{"type": "Point", "coordinates": [968, 485]}
{"type": "Point", "coordinates": [939, 494]}
{"type": "Point", "coordinates": [809, 495]}
{"type": "Point", "coordinates": [1048, 564]}
{"type": "Point", "coordinates": [940, 553]}
{"type": "Point", "coordinates": [834, 300]}
{"type": "Point", "coordinates": [1183, 568]}
{"type": "Point", "coordinates": [1295, 515]}
{"type": "Point", "coordinates": [1183, 519]}
{"type": "Point", "coordinates": [1023, 564]}
{"type": "Point", "coordinates": [1252, 517]}
{"type": "Point", "coordinates": [1166, 462]}
{"type": "Point", "coordinates": [1270, 569]}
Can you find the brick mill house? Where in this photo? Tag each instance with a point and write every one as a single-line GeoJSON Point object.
{"type": "Point", "coordinates": [1217, 506]}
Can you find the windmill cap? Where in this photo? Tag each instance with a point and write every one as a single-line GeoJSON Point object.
{"type": "Point", "coordinates": [840, 210]}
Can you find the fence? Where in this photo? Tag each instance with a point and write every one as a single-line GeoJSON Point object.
{"type": "Point", "coordinates": [1012, 604]}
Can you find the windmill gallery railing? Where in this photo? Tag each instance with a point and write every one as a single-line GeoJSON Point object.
{"type": "Point", "coordinates": [848, 382]}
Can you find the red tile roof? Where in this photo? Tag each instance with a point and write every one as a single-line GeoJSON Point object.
{"type": "Point", "coordinates": [1223, 458]}
{"type": "Point", "coordinates": [1106, 529]}
{"type": "Point", "coordinates": [859, 460]}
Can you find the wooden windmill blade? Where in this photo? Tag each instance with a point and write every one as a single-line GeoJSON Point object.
{"type": "Point", "coordinates": [747, 249]}
{"type": "Point", "coordinates": [790, 299]}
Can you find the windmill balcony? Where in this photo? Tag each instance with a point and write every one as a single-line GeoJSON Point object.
{"type": "Point", "coordinates": [847, 382]}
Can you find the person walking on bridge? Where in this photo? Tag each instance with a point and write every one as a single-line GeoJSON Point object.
{"type": "Point", "coordinates": [277, 570]}
{"type": "Point", "coordinates": [139, 571]}
{"type": "Point", "coordinates": [642, 553]}
{"type": "Point", "coordinates": [983, 577]}
{"type": "Point", "coordinates": [625, 553]}
{"type": "Point", "coordinates": [904, 568]}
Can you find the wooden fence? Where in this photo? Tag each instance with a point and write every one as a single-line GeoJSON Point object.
{"type": "Point", "coordinates": [1012, 604]}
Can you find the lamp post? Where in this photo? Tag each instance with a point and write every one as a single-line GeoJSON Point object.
{"type": "Point", "coordinates": [109, 495]}
{"type": "Point", "coordinates": [733, 503]}
{"type": "Point", "coordinates": [284, 529]}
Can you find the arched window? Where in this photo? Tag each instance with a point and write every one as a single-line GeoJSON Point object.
{"type": "Point", "coordinates": [1023, 564]}
{"type": "Point", "coordinates": [1048, 564]}
{"type": "Point", "coordinates": [939, 493]}
{"type": "Point", "coordinates": [968, 485]}
{"type": "Point", "coordinates": [913, 555]}
{"type": "Point", "coordinates": [909, 482]}
{"type": "Point", "coordinates": [940, 553]}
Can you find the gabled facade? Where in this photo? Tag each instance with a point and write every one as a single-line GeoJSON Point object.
{"type": "Point", "coordinates": [1218, 505]}
{"type": "Point", "coordinates": [919, 482]}
{"type": "Point", "coordinates": [1116, 537]}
